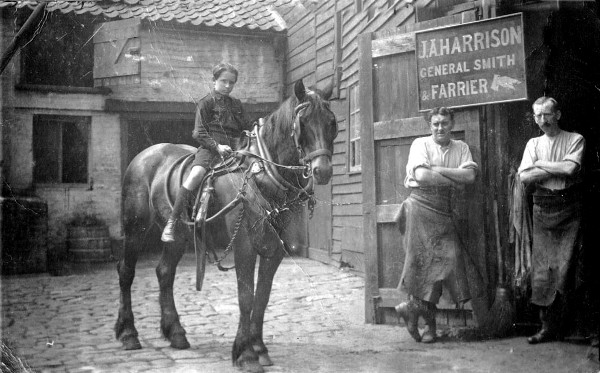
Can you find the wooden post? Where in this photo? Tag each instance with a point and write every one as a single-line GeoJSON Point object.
{"type": "Point", "coordinates": [368, 180]}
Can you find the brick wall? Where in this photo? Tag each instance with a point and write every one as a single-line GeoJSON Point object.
{"type": "Point", "coordinates": [102, 196]}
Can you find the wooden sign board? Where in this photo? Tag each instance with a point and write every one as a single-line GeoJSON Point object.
{"type": "Point", "coordinates": [470, 64]}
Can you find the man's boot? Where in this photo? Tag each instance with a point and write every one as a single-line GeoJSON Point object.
{"type": "Point", "coordinates": [182, 200]}
{"type": "Point", "coordinates": [547, 333]}
{"type": "Point", "coordinates": [429, 313]}
{"type": "Point", "coordinates": [410, 313]}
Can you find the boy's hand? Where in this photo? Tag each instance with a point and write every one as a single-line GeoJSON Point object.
{"type": "Point", "coordinates": [224, 150]}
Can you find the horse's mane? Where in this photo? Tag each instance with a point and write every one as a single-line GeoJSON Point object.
{"type": "Point", "coordinates": [283, 116]}
{"type": "Point", "coordinates": [278, 126]}
{"type": "Point", "coordinates": [279, 123]}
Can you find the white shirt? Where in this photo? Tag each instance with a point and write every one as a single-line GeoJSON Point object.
{"type": "Point", "coordinates": [425, 152]}
{"type": "Point", "coordinates": [565, 146]}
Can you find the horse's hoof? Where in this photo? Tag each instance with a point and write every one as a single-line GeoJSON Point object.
{"type": "Point", "coordinates": [131, 343]}
{"type": "Point", "coordinates": [264, 359]}
{"type": "Point", "coordinates": [180, 342]}
{"type": "Point", "coordinates": [250, 366]}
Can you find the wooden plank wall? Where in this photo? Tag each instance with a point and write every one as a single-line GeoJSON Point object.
{"type": "Point", "coordinates": [177, 60]}
{"type": "Point", "coordinates": [311, 56]}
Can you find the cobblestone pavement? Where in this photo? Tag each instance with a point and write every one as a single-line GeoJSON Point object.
{"type": "Point", "coordinates": [314, 323]}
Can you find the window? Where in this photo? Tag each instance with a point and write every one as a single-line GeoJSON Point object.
{"type": "Point", "coordinates": [61, 53]}
{"type": "Point", "coordinates": [60, 149]}
{"type": "Point", "coordinates": [354, 123]}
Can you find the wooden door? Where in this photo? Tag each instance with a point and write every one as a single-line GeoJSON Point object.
{"type": "Point", "coordinates": [391, 121]}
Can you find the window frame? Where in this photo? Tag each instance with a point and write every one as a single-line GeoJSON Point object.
{"type": "Point", "coordinates": [45, 119]}
{"type": "Point", "coordinates": [353, 143]}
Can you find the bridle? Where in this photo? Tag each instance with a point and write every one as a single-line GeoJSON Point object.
{"type": "Point", "coordinates": [271, 168]}
{"type": "Point", "coordinates": [296, 133]}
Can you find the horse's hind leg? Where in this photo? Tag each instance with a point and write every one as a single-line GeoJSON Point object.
{"type": "Point", "coordinates": [165, 271]}
{"type": "Point", "coordinates": [124, 328]}
{"type": "Point", "coordinates": [136, 221]}
{"type": "Point", "coordinates": [266, 272]}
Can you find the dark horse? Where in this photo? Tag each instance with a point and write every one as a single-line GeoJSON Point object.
{"type": "Point", "coordinates": [293, 147]}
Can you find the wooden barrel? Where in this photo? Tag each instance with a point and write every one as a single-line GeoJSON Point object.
{"type": "Point", "coordinates": [88, 244]}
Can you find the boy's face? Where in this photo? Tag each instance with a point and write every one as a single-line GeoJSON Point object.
{"type": "Point", "coordinates": [224, 84]}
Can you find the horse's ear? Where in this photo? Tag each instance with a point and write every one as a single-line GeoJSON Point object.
{"type": "Point", "coordinates": [299, 90]}
{"type": "Point", "coordinates": [328, 90]}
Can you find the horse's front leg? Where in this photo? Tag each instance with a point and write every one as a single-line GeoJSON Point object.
{"type": "Point", "coordinates": [243, 354]}
{"type": "Point", "coordinates": [165, 271]}
{"type": "Point", "coordinates": [266, 271]}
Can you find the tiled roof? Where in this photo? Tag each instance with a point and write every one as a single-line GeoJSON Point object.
{"type": "Point", "coordinates": [250, 14]}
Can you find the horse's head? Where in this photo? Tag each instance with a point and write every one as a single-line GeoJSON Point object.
{"type": "Point", "coordinates": [314, 130]}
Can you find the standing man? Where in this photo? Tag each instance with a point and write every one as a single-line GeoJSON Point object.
{"type": "Point", "coordinates": [437, 165]}
{"type": "Point", "coordinates": [553, 163]}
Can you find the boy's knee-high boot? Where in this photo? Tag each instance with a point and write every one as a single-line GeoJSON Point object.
{"type": "Point", "coordinates": [184, 196]}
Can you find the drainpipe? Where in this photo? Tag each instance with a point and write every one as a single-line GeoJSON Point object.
{"type": "Point", "coordinates": [23, 35]}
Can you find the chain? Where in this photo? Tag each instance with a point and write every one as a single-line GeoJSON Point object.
{"type": "Point", "coordinates": [217, 260]}
{"type": "Point", "coordinates": [311, 206]}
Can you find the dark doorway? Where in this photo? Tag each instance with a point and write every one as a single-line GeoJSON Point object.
{"type": "Point", "coordinates": [562, 63]}
{"type": "Point", "coordinates": [144, 133]}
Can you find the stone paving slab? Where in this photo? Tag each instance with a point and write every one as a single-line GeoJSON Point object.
{"type": "Point", "coordinates": [314, 323]}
